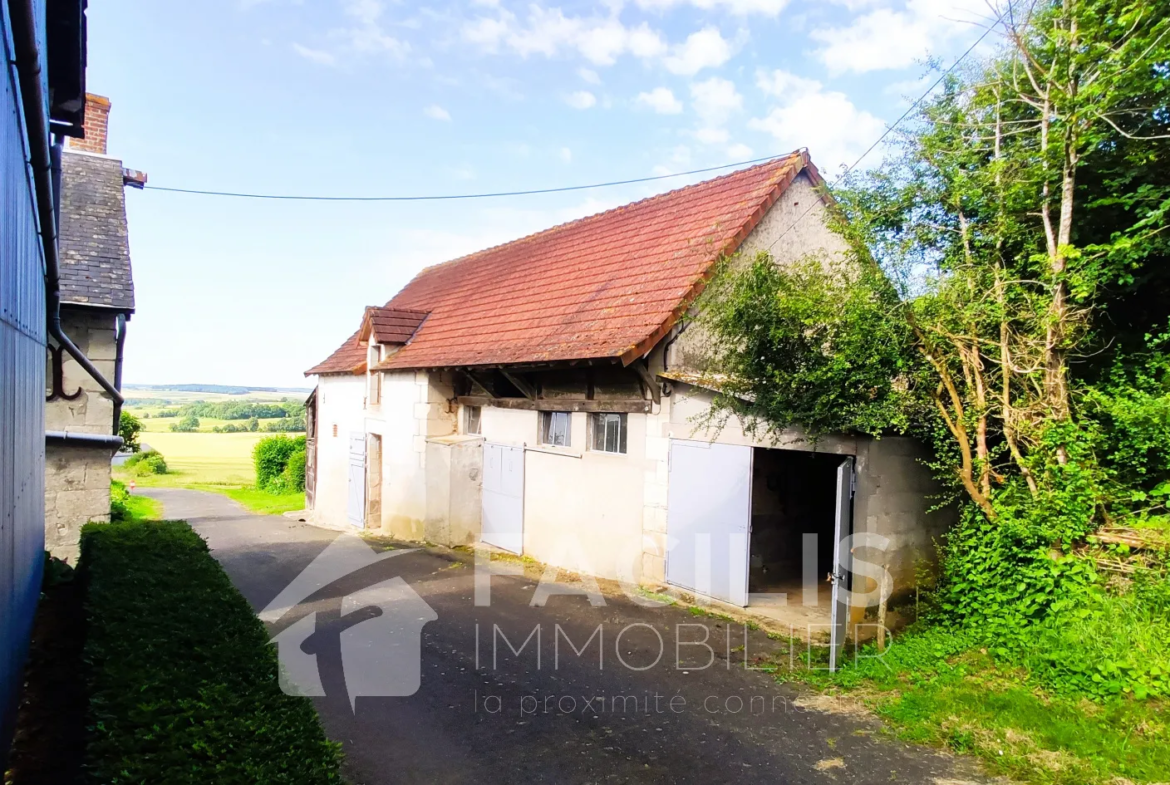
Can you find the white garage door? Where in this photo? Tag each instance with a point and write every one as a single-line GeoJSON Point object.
{"type": "Point", "coordinates": [708, 519]}
{"type": "Point", "coordinates": [503, 496]}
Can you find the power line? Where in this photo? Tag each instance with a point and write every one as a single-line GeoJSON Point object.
{"type": "Point", "coordinates": [449, 197]}
{"type": "Point", "coordinates": [897, 122]}
{"type": "Point", "coordinates": [569, 188]}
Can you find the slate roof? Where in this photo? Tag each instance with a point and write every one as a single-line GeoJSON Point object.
{"type": "Point", "coordinates": [94, 240]}
{"type": "Point", "coordinates": [607, 286]}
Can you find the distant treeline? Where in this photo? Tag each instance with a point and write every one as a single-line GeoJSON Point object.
{"type": "Point", "coordinates": [283, 425]}
{"type": "Point", "coordinates": [221, 389]}
{"type": "Point", "coordinates": [245, 410]}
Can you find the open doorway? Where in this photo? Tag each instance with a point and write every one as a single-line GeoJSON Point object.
{"type": "Point", "coordinates": [374, 482]}
{"type": "Point", "coordinates": [794, 498]}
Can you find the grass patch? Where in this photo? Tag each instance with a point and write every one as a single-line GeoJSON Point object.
{"type": "Point", "coordinates": [217, 462]}
{"type": "Point", "coordinates": [183, 682]}
{"type": "Point", "coordinates": [935, 686]}
{"type": "Point", "coordinates": [127, 507]}
{"type": "Point", "coordinates": [261, 502]}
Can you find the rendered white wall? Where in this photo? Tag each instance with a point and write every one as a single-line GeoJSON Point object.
{"type": "Point", "coordinates": [339, 403]}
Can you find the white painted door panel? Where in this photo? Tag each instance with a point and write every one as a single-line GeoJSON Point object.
{"type": "Point", "coordinates": [356, 509]}
{"type": "Point", "coordinates": [503, 497]}
{"type": "Point", "coordinates": [708, 519]}
{"type": "Point", "coordinates": [842, 560]}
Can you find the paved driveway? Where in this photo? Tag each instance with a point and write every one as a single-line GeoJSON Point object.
{"type": "Point", "coordinates": [562, 718]}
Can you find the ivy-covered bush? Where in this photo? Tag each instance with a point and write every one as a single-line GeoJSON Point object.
{"type": "Point", "coordinates": [183, 682]}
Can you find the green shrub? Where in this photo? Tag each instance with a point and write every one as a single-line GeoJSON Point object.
{"type": "Point", "coordinates": [271, 456]}
{"type": "Point", "coordinates": [119, 501]}
{"type": "Point", "coordinates": [292, 479]}
{"type": "Point", "coordinates": [183, 683]}
{"type": "Point", "coordinates": [144, 464]}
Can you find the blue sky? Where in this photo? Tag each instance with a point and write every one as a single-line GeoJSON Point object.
{"type": "Point", "coordinates": [373, 97]}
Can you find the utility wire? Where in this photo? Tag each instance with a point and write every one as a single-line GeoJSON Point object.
{"type": "Point", "coordinates": [564, 189]}
{"type": "Point", "coordinates": [449, 197]}
{"type": "Point", "coordinates": [897, 122]}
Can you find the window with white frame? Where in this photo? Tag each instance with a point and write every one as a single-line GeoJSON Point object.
{"type": "Point", "coordinates": [471, 423]}
{"type": "Point", "coordinates": [609, 432]}
{"type": "Point", "coordinates": [375, 357]}
{"type": "Point", "coordinates": [554, 428]}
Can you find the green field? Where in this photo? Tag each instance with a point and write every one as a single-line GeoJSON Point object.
{"type": "Point", "coordinates": [206, 458]}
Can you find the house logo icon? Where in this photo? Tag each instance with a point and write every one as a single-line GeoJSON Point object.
{"type": "Point", "coordinates": [380, 655]}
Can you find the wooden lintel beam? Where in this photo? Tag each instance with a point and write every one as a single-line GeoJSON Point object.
{"type": "Point", "coordinates": [526, 389]}
{"type": "Point", "coordinates": [648, 380]}
{"type": "Point", "coordinates": [623, 406]}
{"type": "Point", "coordinates": [481, 382]}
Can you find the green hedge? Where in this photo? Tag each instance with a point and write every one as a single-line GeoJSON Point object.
{"type": "Point", "coordinates": [272, 456]}
{"type": "Point", "coordinates": [183, 682]}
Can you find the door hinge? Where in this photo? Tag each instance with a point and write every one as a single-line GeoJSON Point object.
{"type": "Point", "coordinates": [852, 483]}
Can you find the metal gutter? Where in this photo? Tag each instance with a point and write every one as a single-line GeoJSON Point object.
{"type": "Point", "coordinates": [120, 347]}
{"type": "Point", "coordinates": [75, 439]}
{"type": "Point", "coordinates": [45, 161]}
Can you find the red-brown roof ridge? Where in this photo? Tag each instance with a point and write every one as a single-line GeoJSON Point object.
{"type": "Point", "coordinates": [609, 285]}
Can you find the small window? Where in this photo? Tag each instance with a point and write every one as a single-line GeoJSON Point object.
{"type": "Point", "coordinates": [376, 388]}
{"type": "Point", "coordinates": [609, 432]}
{"type": "Point", "coordinates": [554, 428]}
{"type": "Point", "coordinates": [471, 420]}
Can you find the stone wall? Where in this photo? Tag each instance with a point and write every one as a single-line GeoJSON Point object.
{"type": "Point", "coordinates": [77, 491]}
{"type": "Point", "coordinates": [93, 410]}
{"type": "Point", "coordinates": [77, 479]}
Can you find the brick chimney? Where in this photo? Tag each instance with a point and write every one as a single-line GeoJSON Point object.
{"type": "Point", "coordinates": [97, 116]}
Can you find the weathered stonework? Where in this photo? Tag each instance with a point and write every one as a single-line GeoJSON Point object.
{"type": "Point", "coordinates": [77, 479]}
{"type": "Point", "coordinates": [77, 491]}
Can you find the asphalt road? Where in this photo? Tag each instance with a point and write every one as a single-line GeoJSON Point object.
{"type": "Point", "coordinates": [616, 713]}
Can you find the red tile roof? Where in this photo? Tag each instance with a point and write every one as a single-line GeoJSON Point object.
{"type": "Point", "coordinates": [349, 358]}
{"type": "Point", "coordinates": [607, 286]}
{"type": "Point", "coordinates": [388, 325]}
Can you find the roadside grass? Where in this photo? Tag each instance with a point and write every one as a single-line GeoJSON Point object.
{"type": "Point", "coordinates": [216, 462]}
{"type": "Point", "coordinates": [143, 508]}
{"type": "Point", "coordinates": [932, 687]}
{"type": "Point", "coordinates": [183, 681]}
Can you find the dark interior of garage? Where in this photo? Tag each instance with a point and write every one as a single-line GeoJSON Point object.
{"type": "Point", "coordinates": [793, 493]}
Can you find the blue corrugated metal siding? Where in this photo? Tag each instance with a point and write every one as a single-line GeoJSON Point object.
{"type": "Point", "coordinates": [22, 393]}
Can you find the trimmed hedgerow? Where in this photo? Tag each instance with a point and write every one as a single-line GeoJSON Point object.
{"type": "Point", "coordinates": [183, 682]}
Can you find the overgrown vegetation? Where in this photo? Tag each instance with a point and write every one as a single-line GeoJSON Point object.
{"type": "Point", "coordinates": [280, 464]}
{"type": "Point", "coordinates": [1005, 297]}
{"type": "Point", "coordinates": [183, 680]}
{"type": "Point", "coordinates": [144, 464]}
{"type": "Point", "coordinates": [125, 506]}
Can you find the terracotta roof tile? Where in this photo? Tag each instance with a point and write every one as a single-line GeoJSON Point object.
{"type": "Point", "coordinates": [350, 358]}
{"type": "Point", "coordinates": [391, 326]}
{"type": "Point", "coordinates": [607, 286]}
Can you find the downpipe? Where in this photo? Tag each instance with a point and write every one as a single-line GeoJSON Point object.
{"type": "Point", "coordinates": [45, 162]}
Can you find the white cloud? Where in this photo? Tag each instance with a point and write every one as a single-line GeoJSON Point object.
{"type": "Point", "coordinates": [366, 35]}
{"type": "Point", "coordinates": [706, 48]}
{"type": "Point", "coordinates": [549, 32]}
{"type": "Point", "coordinates": [436, 112]}
{"type": "Point", "coordinates": [738, 7]}
{"type": "Point", "coordinates": [582, 99]}
{"type": "Point", "coordinates": [566, 155]}
{"type": "Point", "coordinates": [318, 56]}
{"type": "Point", "coordinates": [885, 38]}
{"type": "Point", "coordinates": [661, 100]}
{"type": "Point", "coordinates": [712, 135]}
{"type": "Point", "coordinates": [715, 100]}
{"type": "Point", "coordinates": [806, 115]}
{"type": "Point", "coordinates": [739, 152]}
{"type": "Point", "coordinates": [588, 75]}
